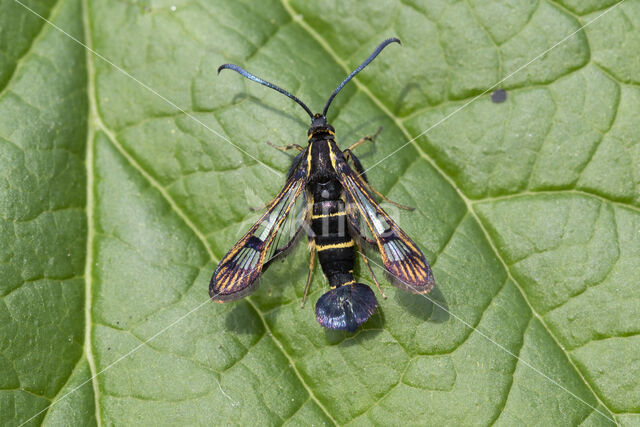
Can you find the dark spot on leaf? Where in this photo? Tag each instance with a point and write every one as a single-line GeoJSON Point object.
{"type": "Point", "coordinates": [499, 96]}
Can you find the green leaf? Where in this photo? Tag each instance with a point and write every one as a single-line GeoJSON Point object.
{"type": "Point", "coordinates": [126, 174]}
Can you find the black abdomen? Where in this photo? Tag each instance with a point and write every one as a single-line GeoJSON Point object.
{"type": "Point", "coordinates": [333, 241]}
{"type": "Point", "coordinates": [347, 304]}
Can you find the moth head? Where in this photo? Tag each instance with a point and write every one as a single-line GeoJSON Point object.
{"type": "Point", "coordinates": [319, 125]}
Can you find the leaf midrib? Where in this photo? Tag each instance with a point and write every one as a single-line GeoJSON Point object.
{"type": "Point", "coordinates": [93, 109]}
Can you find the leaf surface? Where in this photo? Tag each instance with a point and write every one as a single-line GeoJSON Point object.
{"type": "Point", "coordinates": [125, 176]}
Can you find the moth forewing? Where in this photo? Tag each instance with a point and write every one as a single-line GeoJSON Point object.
{"type": "Point", "coordinates": [239, 269]}
{"type": "Point", "coordinates": [401, 257]}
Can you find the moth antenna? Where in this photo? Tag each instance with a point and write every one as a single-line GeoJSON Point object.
{"type": "Point", "coordinates": [357, 70]}
{"type": "Point", "coordinates": [250, 76]}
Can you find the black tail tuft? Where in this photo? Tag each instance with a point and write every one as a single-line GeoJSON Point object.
{"type": "Point", "coordinates": [346, 307]}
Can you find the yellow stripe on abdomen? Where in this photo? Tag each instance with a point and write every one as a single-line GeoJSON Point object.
{"type": "Point", "coordinates": [341, 245]}
{"type": "Point", "coordinates": [318, 216]}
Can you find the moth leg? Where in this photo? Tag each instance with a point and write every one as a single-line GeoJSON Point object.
{"type": "Point", "coordinates": [365, 139]}
{"type": "Point", "coordinates": [358, 166]}
{"type": "Point", "coordinates": [366, 262]}
{"type": "Point", "coordinates": [284, 148]}
{"type": "Point", "coordinates": [312, 257]}
{"type": "Point", "coordinates": [383, 197]}
{"type": "Point", "coordinates": [279, 251]}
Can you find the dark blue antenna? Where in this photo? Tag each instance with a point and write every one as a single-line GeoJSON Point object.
{"type": "Point", "coordinates": [265, 83]}
{"type": "Point", "coordinates": [357, 70]}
